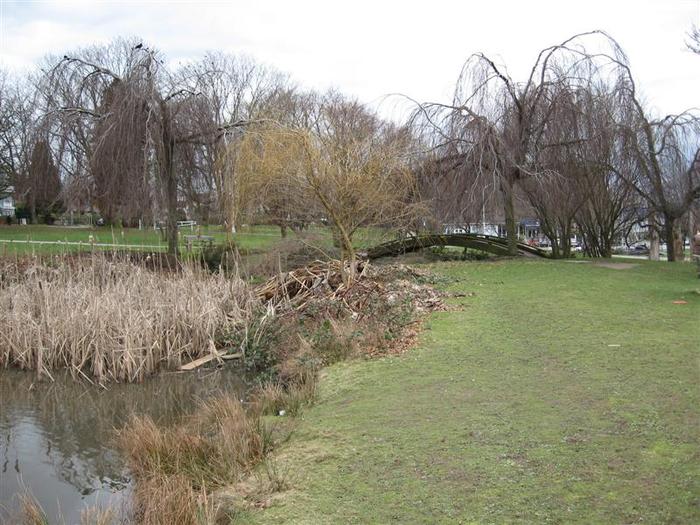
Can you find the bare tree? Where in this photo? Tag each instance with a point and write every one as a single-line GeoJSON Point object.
{"type": "Point", "coordinates": [494, 129]}
{"type": "Point", "coordinates": [138, 112]}
{"type": "Point", "coordinates": [231, 89]}
{"type": "Point", "coordinates": [666, 172]}
{"type": "Point", "coordinates": [16, 134]}
{"type": "Point", "coordinates": [694, 214]}
{"type": "Point", "coordinates": [119, 158]}
{"type": "Point", "coordinates": [7, 125]}
{"type": "Point", "coordinates": [348, 164]}
{"type": "Point", "coordinates": [554, 193]}
{"type": "Point", "coordinates": [268, 163]}
{"type": "Point", "coordinates": [555, 200]}
{"type": "Point", "coordinates": [578, 184]}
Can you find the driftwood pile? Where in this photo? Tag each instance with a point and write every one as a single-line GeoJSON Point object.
{"type": "Point", "coordinates": [351, 286]}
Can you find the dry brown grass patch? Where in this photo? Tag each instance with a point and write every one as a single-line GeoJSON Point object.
{"type": "Point", "coordinates": [176, 467]}
{"type": "Point", "coordinates": [111, 320]}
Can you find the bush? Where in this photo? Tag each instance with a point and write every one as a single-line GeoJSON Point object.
{"type": "Point", "coordinates": [220, 257]}
{"type": "Point", "coordinates": [333, 341]}
{"type": "Point", "coordinates": [260, 343]}
{"type": "Point", "coordinates": [22, 211]}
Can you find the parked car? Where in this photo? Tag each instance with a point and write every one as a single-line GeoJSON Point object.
{"type": "Point", "coordinates": [638, 249]}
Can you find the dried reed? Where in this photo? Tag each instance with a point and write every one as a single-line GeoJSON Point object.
{"type": "Point", "coordinates": [111, 320]}
{"type": "Point", "coordinates": [176, 468]}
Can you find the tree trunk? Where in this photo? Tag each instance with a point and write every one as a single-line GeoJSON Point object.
{"type": "Point", "coordinates": [172, 214]}
{"type": "Point", "coordinates": [555, 246]}
{"type": "Point", "coordinates": [653, 240]}
{"type": "Point", "coordinates": [169, 179]}
{"type": "Point", "coordinates": [678, 242]}
{"type": "Point", "coordinates": [509, 209]}
{"type": "Point", "coordinates": [566, 242]}
{"type": "Point", "coordinates": [347, 250]}
{"type": "Point", "coordinates": [669, 234]}
{"type": "Point", "coordinates": [694, 228]}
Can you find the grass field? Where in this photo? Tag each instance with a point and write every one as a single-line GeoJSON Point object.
{"type": "Point", "coordinates": [558, 392]}
{"type": "Point", "coordinates": [250, 238]}
{"type": "Point", "coordinates": [255, 237]}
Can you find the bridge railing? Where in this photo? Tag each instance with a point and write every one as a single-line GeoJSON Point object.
{"type": "Point", "coordinates": [477, 241]}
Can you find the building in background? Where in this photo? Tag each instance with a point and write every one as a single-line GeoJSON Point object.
{"type": "Point", "coordinates": [7, 205]}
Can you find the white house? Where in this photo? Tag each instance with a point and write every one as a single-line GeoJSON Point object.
{"type": "Point", "coordinates": [7, 206]}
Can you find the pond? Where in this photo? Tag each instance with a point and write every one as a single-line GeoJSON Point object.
{"type": "Point", "coordinates": [56, 438]}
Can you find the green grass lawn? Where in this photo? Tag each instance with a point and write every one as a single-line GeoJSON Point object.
{"type": "Point", "coordinates": [252, 238]}
{"type": "Point", "coordinates": [260, 237]}
{"type": "Point", "coordinates": [560, 392]}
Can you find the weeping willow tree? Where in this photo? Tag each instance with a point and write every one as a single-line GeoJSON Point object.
{"type": "Point", "coordinates": [44, 181]}
{"type": "Point", "coordinates": [495, 129]}
{"type": "Point", "coordinates": [348, 168]}
{"type": "Point", "coordinates": [149, 127]}
{"type": "Point", "coordinates": [119, 160]}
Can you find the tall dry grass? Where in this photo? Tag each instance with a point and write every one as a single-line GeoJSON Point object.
{"type": "Point", "coordinates": [177, 468]}
{"type": "Point", "coordinates": [112, 320]}
{"type": "Point", "coordinates": [30, 512]}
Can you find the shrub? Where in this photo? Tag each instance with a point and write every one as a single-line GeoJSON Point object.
{"type": "Point", "coordinates": [334, 341]}
{"type": "Point", "coordinates": [22, 211]}
{"type": "Point", "coordinates": [444, 253]}
{"type": "Point", "coordinates": [220, 257]}
{"type": "Point", "coordinates": [259, 341]}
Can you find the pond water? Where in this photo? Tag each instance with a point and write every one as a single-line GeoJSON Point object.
{"type": "Point", "coordinates": [56, 437]}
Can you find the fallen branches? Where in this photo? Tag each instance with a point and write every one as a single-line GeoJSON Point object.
{"type": "Point", "coordinates": [351, 286]}
{"type": "Point", "coordinates": [327, 279]}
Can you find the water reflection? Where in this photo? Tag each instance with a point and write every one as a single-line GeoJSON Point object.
{"type": "Point", "coordinates": [56, 438]}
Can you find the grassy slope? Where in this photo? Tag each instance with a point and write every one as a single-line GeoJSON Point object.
{"type": "Point", "coordinates": [516, 407]}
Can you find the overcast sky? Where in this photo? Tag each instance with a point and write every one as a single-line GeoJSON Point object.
{"type": "Point", "coordinates": [371, 48]}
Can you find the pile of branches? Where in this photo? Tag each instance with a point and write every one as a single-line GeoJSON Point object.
{"type": "Point", "coordinates": [351, 286]}
{"type": "Point", "coordinates": [328, 280]}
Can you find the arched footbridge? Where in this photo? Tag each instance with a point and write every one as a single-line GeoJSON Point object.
{"type": "Point", "coordinates": [485, 243]}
